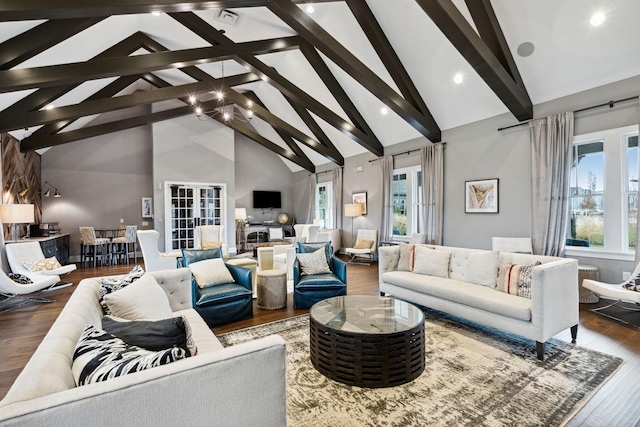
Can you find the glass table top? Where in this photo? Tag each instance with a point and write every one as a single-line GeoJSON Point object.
{"type": "Point", "coordinates": [366, 314]}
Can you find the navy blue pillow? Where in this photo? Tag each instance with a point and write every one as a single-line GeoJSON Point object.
{"type": "Point", "coordinates": [194, 255]}
{"type": "Point", "coordinates": [307, 248]}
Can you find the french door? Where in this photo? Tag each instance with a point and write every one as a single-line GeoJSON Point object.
{"type": "Point", "coordinates": [189, 205]}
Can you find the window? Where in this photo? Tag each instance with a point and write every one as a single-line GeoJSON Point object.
{"type": "Point", "coordinates": [324, 203]}
{"type": "Point", "coordinates": [604, 192]}
{"type": "Point", "coordinates": [407, 201]}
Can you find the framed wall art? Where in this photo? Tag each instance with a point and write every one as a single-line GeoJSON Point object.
{"type": "Point", "coordinates": [147, 207]}
{"type": "Point", "coordinates": [360, 198]}
{"type": "Point", "coordinates": [481, 196]}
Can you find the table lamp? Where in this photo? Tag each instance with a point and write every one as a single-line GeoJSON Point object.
{"type": "Point", "coordinates": [16, 215]}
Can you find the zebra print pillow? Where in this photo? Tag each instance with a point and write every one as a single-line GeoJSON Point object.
{"type": "Point", "coordinates": [100, 356]}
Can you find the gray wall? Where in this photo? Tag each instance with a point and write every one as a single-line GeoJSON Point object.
{"type": "Point", "coordinates": [101, 180]}
{"type": "Point", "coordinates": [260, 169]}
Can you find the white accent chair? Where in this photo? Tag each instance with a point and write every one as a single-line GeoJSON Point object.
{"type": "Point", "coordinates": [308, 232]}
{"type": "Point", "coordinates": [153, 258]}
{"type": "Point", "coordinates": [370, 253]}
{"type": "Point", "coordinates": [319, 222]}
{"type": "Point", "coordinates": [26, 252]}
{"type": "Point", "coordinates": [616, 293]}
{"type": "Point", "coordinates": [331, 235]}
{"type": "Point", "coordinates": [203, 235]}
{"type": "Point", "coordinates": [14, 291]}
{"type": "Point", "coordinates": [519, 245]}
{"type": "Point", "coordinates": [279, 257]}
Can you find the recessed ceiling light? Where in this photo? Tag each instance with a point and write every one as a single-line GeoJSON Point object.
{"type": "Point", "coordinates": [49, 107]}
{"type": "Point", "coordinates": [597, 19]}
{"type": "Point", "coordinates": [192, 99]}
{"type": "Point", "coordinates": [310, 8]}
{"type": "Point", "coordinates": [384, 111]}
{"type": "Point", "coordinates": [155, 13]}
{"type": "Point", "coordinates": [457, 78]}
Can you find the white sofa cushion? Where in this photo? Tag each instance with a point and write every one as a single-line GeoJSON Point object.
{"type": "Point", "coordinates": [431, 262]}
{"type": "Point", "coordinates": [482, 268]}
{"type": "Point", "coordinates": [143, 299]}
{"type": "Point", "coordinates": [469, 294]}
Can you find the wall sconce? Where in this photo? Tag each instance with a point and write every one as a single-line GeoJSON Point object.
{"type": "Point", "coordinates": [48, 192]}
{"type": "Point", "coordinates": [24, 190]}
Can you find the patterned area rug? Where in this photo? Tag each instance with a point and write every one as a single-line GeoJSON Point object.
{"type": "Point", "coordinates": [475, 376]}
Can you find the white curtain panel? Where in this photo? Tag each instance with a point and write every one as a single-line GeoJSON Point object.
{"type": "Point", "coordinates": [551, 149]}
{"type": "Point", "coordinates": [638, 222]}
{"type": "Point", "coordinates": [432, 163]}
{"type": "Point", "coordinates": [386, 180]}
{"type": "Point", "coordinates": [311, 212]}
{"type": "Point", "coordinates": [336, 213]}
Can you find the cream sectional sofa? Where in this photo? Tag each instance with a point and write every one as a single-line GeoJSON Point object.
{"type": "Point", "coordinates": [242, 385]}
{"type": "Point", "coordinates": [553, 306]}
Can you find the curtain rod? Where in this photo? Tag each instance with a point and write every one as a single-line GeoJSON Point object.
{"type": "Point", "coordinates": [610, 104]}
{"type": "Point", "coordinates": [405, 152]}
{"type": "Point", "coordinates": [320, 173]}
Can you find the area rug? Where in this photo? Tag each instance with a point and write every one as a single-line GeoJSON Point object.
{"type": "Point", "coordinates": [474, 376]}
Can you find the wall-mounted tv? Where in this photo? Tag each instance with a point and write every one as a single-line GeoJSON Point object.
{"type": "Point", "coordinates": [267, 199]}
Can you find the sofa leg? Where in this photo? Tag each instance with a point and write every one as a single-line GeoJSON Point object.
{"type": "Point", "coordinates": [574, 333]}
{"type": "Point", "coordinates": [540, 350]}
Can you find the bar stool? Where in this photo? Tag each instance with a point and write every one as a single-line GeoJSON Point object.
{"type": "Point", "coordinates": [120, 245]}
{"type": "Point", "coordinates": [92, 246]}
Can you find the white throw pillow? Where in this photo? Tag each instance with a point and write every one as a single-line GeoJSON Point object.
{"type": "Point", "coordinates": [482, 268]}
{"type": "Point", "coordinates": [210, 272]}
{"type": "Point", "coordinates": [143, 299]}
{"type": "Point", "coordinates": [431, 262]}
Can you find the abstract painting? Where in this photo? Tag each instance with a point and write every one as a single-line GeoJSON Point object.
{"type": "Point", "coordinates": [481, 196]}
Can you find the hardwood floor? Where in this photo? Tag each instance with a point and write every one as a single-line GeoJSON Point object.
{"type": "Point", "coordinates": [617, 403]}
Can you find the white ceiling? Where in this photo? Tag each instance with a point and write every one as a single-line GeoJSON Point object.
{"type": "Point", "coordinates": [570, 56]}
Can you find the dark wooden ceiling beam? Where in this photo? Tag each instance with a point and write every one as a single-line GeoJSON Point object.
{"type": "Point", "coordinates": [54, 75]}
{"type": "Point", "coordinates": [460, 33]}
{"type": "Point", "coordinates": [255, 136]}
{"type": "Point", "coordinates": [387, 54]}
{"type": "Point", "coordinates": [103, 105]}
{"type": "Point", "coordinates": [321, 68]}
{"type": "Point", "coordinates": [300, 22]}
{"type": "Point", "coordinates": [110, 90]}
{"type": "Point", "coordinates": [40, 38]}
{"type": "Point", "coordinates": [30, 144]}
{"type": "Point", "coordinates": [293, 146]}
{"type": "Point", "coordinates": [19, 10]}
{"type": "Point", "coordinates": [491, 33]}
{"type": "Point", "coordinates": [203, 29]}
{"type": "Point", "coordinates": [40, 98]}
{"type": "Point", "coordinates": [313, 126]}
{"type": "Point", "coordinates": [275, 121]}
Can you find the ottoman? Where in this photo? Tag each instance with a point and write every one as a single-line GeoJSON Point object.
{"type": "Point", "coordinates": [249, 263]}
{"type": "Point", "coordinates": [272, 289]}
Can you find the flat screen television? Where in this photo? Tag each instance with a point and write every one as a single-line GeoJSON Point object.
{"type": "Point", "coordinates": [267, 199]}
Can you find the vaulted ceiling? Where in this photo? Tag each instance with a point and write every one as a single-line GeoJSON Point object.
{"type": "Point", "coordinates": [316, 82]}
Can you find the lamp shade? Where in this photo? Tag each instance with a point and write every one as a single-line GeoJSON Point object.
{"type": "Point", "coordinates": [17, 214]}
{"type": "Point", "coordinates": [241, 213]}
{"type": "Point", "coordinates": [353, 209]}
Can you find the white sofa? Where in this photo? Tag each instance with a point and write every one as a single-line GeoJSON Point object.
{"type": "Point", "coordinates": [242, 385]}
{"type": "Point", "coordinates": [553, 306]}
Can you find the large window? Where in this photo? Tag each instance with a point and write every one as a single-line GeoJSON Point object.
{"type": "Point", "coordinates": [604, 192]}
{"type": "Point", "coordinates": [324, 203]}
{"type": "Point", "coordinates": [407, 201]}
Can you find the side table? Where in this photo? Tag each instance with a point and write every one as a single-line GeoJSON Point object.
{"type": "Point", "coordinates": [272, 289]}
{"type": "Point", "coordinates": [587, 272]}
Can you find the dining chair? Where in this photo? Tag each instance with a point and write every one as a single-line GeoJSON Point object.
{"type": "Point", "coordinates": [93, 247]}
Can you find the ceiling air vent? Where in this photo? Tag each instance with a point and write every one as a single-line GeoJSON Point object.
{"type": "Point", "coordinates": [228, 17]}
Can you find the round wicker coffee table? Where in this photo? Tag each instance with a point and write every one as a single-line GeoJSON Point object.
{"type": "Point", "coordinates": [367, 341]}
